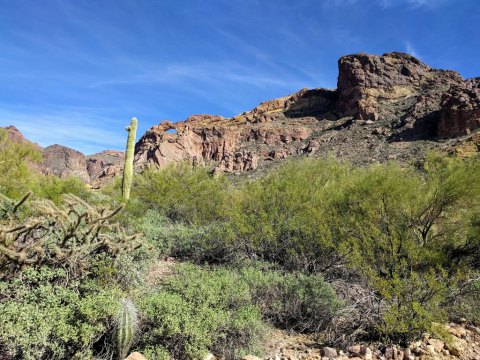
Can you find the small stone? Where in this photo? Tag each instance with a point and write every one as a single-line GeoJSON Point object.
{"type": "Point", "coordinates": [210, 356]}
{"type": "Point", "coordinates": [136, 356]}
{"type": "Point", "coordinates": [437, 344]}
{"type": "Point", "coordinates": [251, 357]}
{"type": "Point", "coordinates": [388, 352]}
{"type": "Point", "coordinates": [407, 352]}
{"type": "Point", "coordinates": [355, 349]}
{"type": "Point", "coordinates": [366, 352]}
{"type": "Point", "coordinates": [445, 352]}
{"type": "Point", "coordinates": [329, 352]}
{"type": "Point", "coordinates": [430, 349]}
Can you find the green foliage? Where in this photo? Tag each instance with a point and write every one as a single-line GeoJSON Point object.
{"type": "Point", "coordinates": [53, 188]}
{"type": "Point", "coordinates": [285, 218]}
{"type": "Point", "coordinates": [181, 193]}
{"type": "Point", "coordinates": [293, 301]}
{"type": "Point", "coordinates": [43, 318]}
{"type": "Point", "coordinates": [220, 310]}
{"type": "Point", "coordinates": [403, 229]}
{"type": "Point", "coordinates": [16, 158]}
{"type": "Point", "coordinates": [199, 311]}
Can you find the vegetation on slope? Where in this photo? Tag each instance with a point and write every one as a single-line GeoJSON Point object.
{"type": "Point", "coordinates": [281, 250]}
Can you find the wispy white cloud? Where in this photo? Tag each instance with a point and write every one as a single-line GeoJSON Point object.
{"type": "Point", "coordinates": [410, 49]}
{"type": "Point", "coordinates": [203, 73]}
{"type": "Point", "coordinates": [411, 4]}
{"type": "Point", "coordinates": [82, 129]}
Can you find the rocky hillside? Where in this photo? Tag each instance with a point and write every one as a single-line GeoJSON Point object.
{"type": "Point", "coordinates": [63, 161]}
{"type": "Point", "coordinates": [385, 107]}
{"type": "Point", "coordinates": [93, 169]}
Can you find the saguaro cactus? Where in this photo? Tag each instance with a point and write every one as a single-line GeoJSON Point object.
{"type": "Point", "coordinates": [128, 167]}
{"type": "Point", "coordinates": [126, 326]}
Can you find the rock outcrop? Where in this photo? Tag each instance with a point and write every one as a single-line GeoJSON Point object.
{"type": "Point", "coordinates": [94, 169]}
{"type": "Point", "coordinates": [236, 144]}
{"type": "Point", "coordinates": [63, 162]}
{"type": "Point", "coordinates": [382, 104]}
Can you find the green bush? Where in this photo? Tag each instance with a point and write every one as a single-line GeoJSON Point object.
{"type": "Point", "coordinates": [197, 311]}
{"type": "Point", "coordinates": [43, 318]}
{"type": "Point", "coordinates": [284, 217]}
{"type": "Point", "coordinates": [292, 301]}
{"type": "Point", "coordinates": [53, 188]}
{"type": "Point", "coordinates": [16, 160]}
{"type": "Point", "coordinates": [403, 229]}
{"type": "Point", "coordinates": [181, 193]}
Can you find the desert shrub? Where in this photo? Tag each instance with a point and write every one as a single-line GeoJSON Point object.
{"type": "Point", "coordinates": [403, 228]}
{"type": "Point", "coordinates": [284, 217]}
{"type": "Point", "coordinates": [293, 301]}
{"type": "Point", "coordinates": [16, 159]}
{"type": "Point", "coordinates": [53, 188]}
{"type": "Point", "coordinates": [195, 243]}
{"type": "Point", "coordinates": [181, 193]}
{"type": "Point", "coordinates": [197, 311]}
{"type": "Point", "coordinates": [44, 315]}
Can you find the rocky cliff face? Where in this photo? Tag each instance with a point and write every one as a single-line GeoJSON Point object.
{"type": "Point", "coordinates": [381, 106]}
{"type": "Point", "coordinates": [385, 107]}
{"type": "Point", "coordinates": [93, 169]}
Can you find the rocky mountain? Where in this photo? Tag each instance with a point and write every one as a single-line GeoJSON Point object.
{"type": "Point", "coordinates": [63, 161]}
{"type": "Point", "coordinates": [385, 107]}
{"type": "Point", "coordinates": [93, 169]}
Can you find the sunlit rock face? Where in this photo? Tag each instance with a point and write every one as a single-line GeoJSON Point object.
{"type": "Point", "coordinates": [381, 105]}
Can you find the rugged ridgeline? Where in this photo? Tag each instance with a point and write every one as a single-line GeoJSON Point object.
{"type": "Point", "coordinates": [386, 107]}
{"type": "Point", "coordinates": [63, 161]}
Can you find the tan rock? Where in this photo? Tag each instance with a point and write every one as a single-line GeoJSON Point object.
{"type": "Point", "coordinates": [136, 356]}
{"type": "Point", "coordinates": [251, 357]}
{"type": "Point", "coordinates": [355, 349]}
{"type": "Point", "coordinates": [329, 352]}
{"type": "Point", "coordinates": [437, 344]}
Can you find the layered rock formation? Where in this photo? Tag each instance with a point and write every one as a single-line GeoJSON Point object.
{"type": "Point", "coordinates": [381, 105]}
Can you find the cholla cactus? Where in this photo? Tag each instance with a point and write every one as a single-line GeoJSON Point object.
{"type": "Point", "coordinates": [127, 324]}
{"type": "Point", "coordinates": [66, 236]}
{"type": "Point", "coordinates": [129, 152]}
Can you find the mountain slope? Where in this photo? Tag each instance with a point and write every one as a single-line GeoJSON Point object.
{"type": "Point", "coordinates": [386, 107]}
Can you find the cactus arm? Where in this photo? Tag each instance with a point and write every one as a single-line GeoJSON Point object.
{"type": "Point", "coordinates": [129, 152]}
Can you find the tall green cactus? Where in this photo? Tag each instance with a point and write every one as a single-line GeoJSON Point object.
{"type": "Point", "coordinates": [126, 326]}
{"type": "Point", "coordinates": [129, 152]}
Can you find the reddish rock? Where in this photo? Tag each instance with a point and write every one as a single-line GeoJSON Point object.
{"type": "Point", "coordinates": [63, 162]}
{"type": "Point", "coordinates": [460, 113]}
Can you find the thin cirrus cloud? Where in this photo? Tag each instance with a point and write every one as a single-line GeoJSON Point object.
{"type": "Point", "coordinates": [74, 126]}
{"type": "Point", "coordinates": [74, 72]}
{"type": "Point", "coordinates": [202, 73]}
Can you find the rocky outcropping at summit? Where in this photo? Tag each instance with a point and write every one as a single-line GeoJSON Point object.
{"type": "Point", "coordinates": [385, 107]}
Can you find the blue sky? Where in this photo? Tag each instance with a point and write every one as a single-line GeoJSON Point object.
{"type": "Point", "coordinates": [75, 72]}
